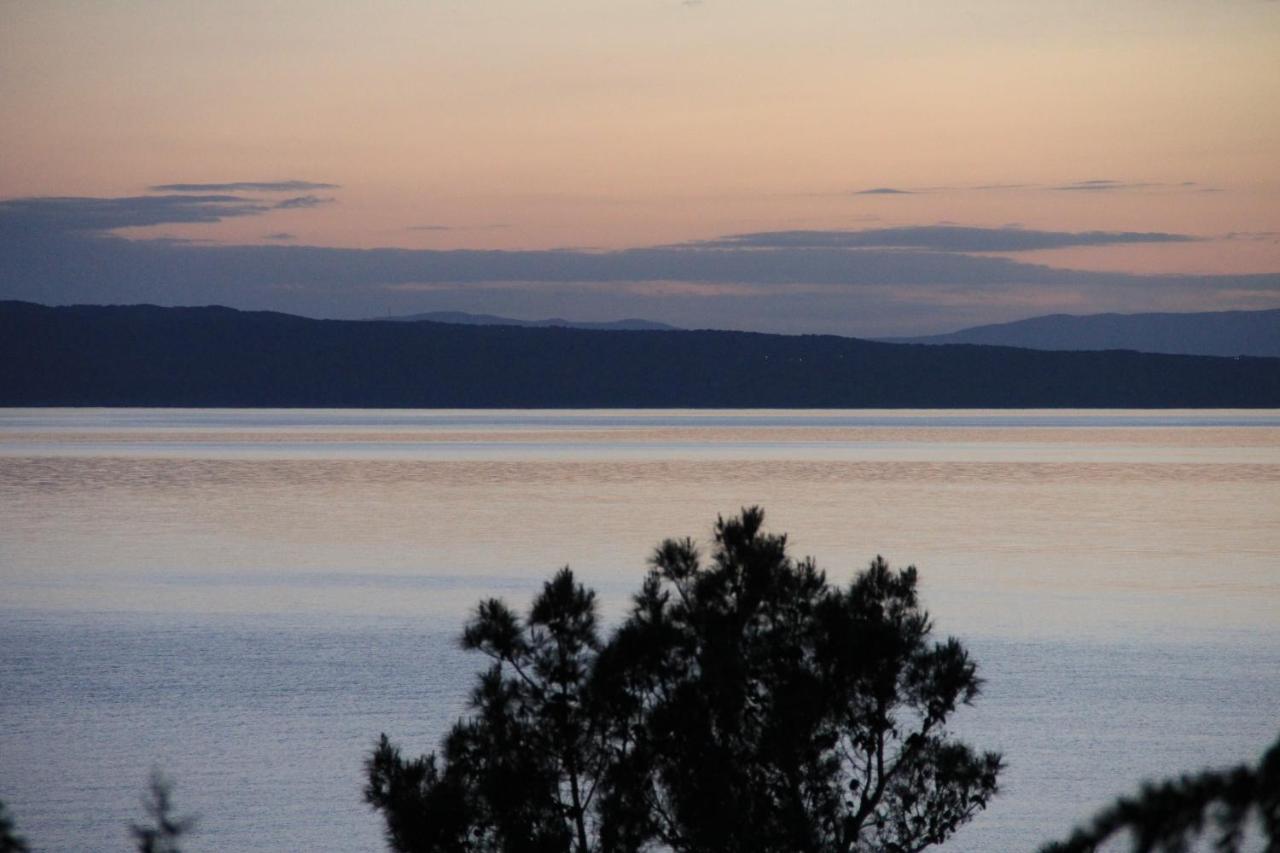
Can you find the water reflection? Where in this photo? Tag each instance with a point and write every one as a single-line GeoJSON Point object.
{"type": "Point", "coordinates": [249, 581]}
{"type": "Point", "coordinates": [1097, 521]}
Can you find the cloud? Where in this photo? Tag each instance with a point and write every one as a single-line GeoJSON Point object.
{"type": "Point", "coordinates": [246, 186]}
{"type": "Point", "coordinates": [873, 282]}
{"type": "Point", "coordinates": [1073, 186]}
{"type": "Point", "coordinates": [118, 263]}
{"type": "Point", "coordinates": [942, 238]}
{"type": "Point", "coordinates": [302, 201]}
{"type": "Point", "coordinates": [100, 215]}
{"type": "Point", "coordinates": [493, 226]}
{"type": "Point", "coordinates": [280, 236]}
{"type": "Point", "coordinates": [1123, 186]}
{"type": "Point", "coordinates": [69, 213]}
{"type": "Point", "coordinates": [1104, 186]}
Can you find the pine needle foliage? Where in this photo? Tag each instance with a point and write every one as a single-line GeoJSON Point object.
{"type": "Point", "coordinates": [745, 704]}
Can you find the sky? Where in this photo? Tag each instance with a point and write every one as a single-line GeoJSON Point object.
{"type": "Point", "coordinates": [832, 166]}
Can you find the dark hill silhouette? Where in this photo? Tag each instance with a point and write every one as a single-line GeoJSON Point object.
{"type": "Point", "coordinates": [1224, 333]}
{"type": "Point", "coordinates": [468, 319]}
{"type": "Point", "coordinates": [148, 356]}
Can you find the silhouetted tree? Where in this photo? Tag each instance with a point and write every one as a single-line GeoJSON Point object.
{"type": "Point", "coordinates": [521, 773]}
{"type": "Point", "coordinates": [757, 707]}
{"type": "Point", "coordinates": [10, 841]}
{"type": "Point", "coordinates": [1170, 816]}
{"type": "Point", "coordinates": [161, 835]}
{"type": "Point", "coordinates": [743, 705]}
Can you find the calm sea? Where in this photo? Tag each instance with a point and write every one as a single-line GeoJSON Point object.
{"type": "Point", "coordinates": [245, 599]}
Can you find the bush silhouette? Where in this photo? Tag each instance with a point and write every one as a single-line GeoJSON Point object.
{"type": "Point", "coordinates": [1170, 816]}
{"type": "Point", "coordinates": [745, 704]}
{"type": "Point", "coordinates": [10, 840]}
{"type": "Point", "coordinates": [164, 829]}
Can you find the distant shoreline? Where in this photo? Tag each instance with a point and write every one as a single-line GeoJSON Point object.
{"type": "Point", "coordinates": [147, 356]}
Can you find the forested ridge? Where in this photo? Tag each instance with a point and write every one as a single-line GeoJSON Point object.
{"type": "Point", "coordinates": [145, 355]}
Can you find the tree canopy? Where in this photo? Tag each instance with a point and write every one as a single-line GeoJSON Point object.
{"type": "Point", "coordinates": [10, 840]}
{"type": "Point", "coordinates": [745, 703]}
{"type": "Point", "coordinates": [164, 829]}
{"type": "Point", "coordinates": [1168, 817]}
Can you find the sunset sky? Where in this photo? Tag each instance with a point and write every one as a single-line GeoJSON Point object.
{"type": "Point", "coordinates": [850, 167]}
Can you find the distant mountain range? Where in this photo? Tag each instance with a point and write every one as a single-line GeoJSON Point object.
{"type": "Point", "coordinates": [148, 356]}
{"type": "Point", "coordinates": [1221, 333]}
{"type": "Point", "coordinates": [465, 319]}
{"type": "Point", "coordinates": [1225, 333]}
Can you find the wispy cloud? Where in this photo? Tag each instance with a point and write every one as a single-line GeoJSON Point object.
{"type": "Point", "coordinates": [1121, 186]}
{"type": "Point", "coordinates": [302, 201]}
{"type": "Point", "coordinates": [1100, 186]}
{"type": "Point", "coordinates": [491, 226]}
{"type": "Point", "coordinates": [70, 213]}
{"type": "Point", "coordinates": [941, 238]}
{"type": "Point", "coordinates": [1254, 236]}
{"type": "Point", "coordinates": [280, 236]}
{"type": "Point", "coordinates": [781, 263]}
{"type": "Point", "coordinates": [875, 281]}
{"type": "Point", "coordinates": [1097, 185]}
{"type": "Point", "coordinates": [247, 186]}
{"type": "Point", "coordinates": [88, 214]}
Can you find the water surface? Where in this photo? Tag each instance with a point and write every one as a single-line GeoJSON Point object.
{"type": "Point", "coordinates": [247, 598]}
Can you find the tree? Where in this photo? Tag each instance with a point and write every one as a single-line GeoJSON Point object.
{"type": "Point", "coordinates": [162, 833]}
{"type": "Point", "coordinates": [160, 836]}
{"type": "Point", "coordinates": [10, 841]}
{"type": "Point", "coordinates": [519, 775]}
{"type": "Point", "coordinates": [1168, 817]}
{"type": "Point", "coordinates": [772, 711]}
{"type": "Point", "coordinates": [745, 704]}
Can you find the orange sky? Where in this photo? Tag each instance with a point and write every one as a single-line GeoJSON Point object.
{"type": "Point", "coordinates": [575, 123]}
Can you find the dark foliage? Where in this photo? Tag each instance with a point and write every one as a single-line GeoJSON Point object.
{"type": "Point", "coordinates": [771, 711]}
{"type": "Point", "coordinates": [745, 704]}
{"type": "Point", "coordinates": [148, 356]}
{"type": "Point", "coordinates": [164, 829]}
{"type": "Point", "coordinates": [10, 840]}
{"type": "Point", "coordinates": [1171, 816]}
{"type": "Point", "coordinates": [521, 774]}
